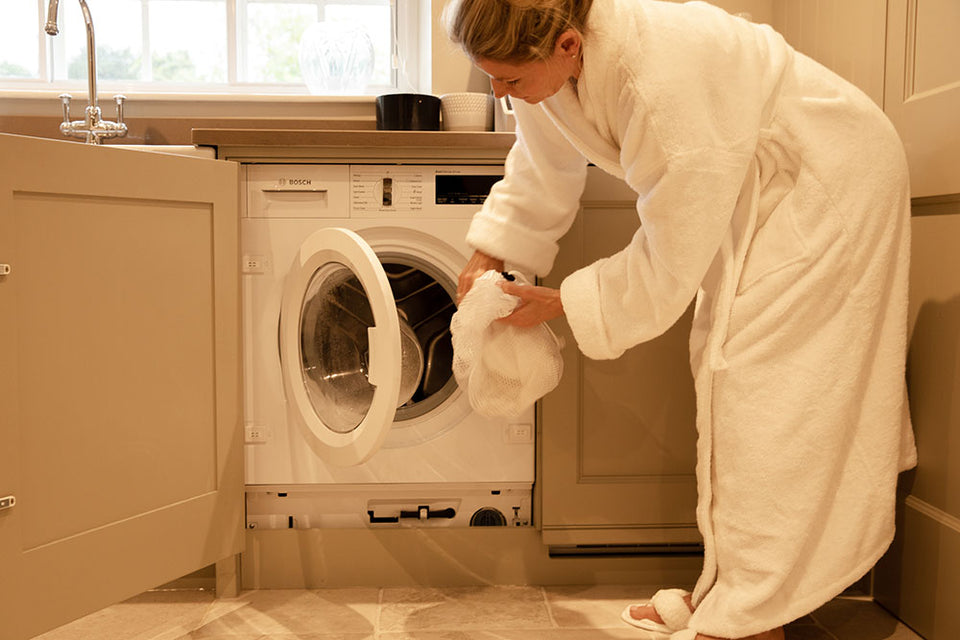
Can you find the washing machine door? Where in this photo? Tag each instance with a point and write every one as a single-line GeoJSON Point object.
{"type": "Point", "coordinates": [340, 346]}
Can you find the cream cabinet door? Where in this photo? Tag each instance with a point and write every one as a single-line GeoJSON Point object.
{"type": "Point", "coordinates": [922, 94]}
{"type": "Point", "coordinates": [618, 437]}
{"type": "Point", "coordinates": [119, 384]}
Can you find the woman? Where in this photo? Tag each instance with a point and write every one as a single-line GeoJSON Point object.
{"type": "Point", "coordinates": [774, 193]}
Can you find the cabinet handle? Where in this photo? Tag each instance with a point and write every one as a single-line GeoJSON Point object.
{"type": "Point", "coordinates": [4, 269]}
{"type": "Point", "coordinates": [7, 502]}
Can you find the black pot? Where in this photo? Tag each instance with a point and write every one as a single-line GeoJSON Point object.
{"type": "Point", "coordinates": [408, 112]}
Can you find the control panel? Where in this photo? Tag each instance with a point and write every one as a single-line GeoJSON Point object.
{"type": "Point", "coordinates": [358, 190]}
{"type": "Point", "coordinates": [442, 191]}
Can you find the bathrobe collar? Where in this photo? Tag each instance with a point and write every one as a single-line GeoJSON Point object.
{"type": "Point", "coordinates": [566, 112]}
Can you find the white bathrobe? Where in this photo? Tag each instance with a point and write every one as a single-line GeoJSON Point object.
{"type": "Point", "coordinates": [776, 194]}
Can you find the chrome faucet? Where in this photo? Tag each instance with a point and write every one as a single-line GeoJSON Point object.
{"type": "Point", "coordinates": [92, 127]}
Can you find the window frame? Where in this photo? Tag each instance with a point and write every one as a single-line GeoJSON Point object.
{"type": "Point", "coordinates": [407, 45]}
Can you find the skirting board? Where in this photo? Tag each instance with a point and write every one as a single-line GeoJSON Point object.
{"type": "Point", "coordinates": [318, 558]}
{"type": "Point", "coordinates": [919, 578]}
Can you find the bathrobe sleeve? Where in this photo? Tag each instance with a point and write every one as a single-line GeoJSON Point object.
{"type": "Point", "coordinates": [641, 291]}
{"type": "Point", "coordinates": [537, 200]}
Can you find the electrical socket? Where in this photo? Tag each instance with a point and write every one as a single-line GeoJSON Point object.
{"type": "Point", "coordinates": [255, 264]}
{"type": "Point", "coordinates": [256, 434]}
{"type": "Point", "coordinates": [520, 433]}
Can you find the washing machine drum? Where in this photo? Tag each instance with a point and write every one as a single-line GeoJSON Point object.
{"type": "Point", "coordinates": [335, 350]}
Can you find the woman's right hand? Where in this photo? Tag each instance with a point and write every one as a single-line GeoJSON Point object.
{"type": "Point", "coordinates": [478, 264]}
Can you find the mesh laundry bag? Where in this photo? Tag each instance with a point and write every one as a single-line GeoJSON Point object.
{"type": "Point", "coordinates": [502, 368]}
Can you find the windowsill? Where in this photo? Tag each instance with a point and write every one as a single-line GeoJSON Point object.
{"type": "Point", "coordinates": [197, 105]}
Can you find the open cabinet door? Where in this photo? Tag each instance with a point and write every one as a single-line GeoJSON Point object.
{"type": "Point", "coordinates": [120, 442]}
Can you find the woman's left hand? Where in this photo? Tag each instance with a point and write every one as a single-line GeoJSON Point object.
{"type": "Point", "coordinates": [537, 304]}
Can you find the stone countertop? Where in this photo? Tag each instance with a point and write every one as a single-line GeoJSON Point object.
{"type": "Point", "coordinates": [293, 144]}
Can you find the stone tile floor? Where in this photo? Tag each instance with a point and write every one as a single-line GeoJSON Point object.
{"type": "Point", "coordinates": [422, 613]}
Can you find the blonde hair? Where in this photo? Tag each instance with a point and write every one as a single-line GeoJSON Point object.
{"type": "Point", "coordinates": [512, 30]}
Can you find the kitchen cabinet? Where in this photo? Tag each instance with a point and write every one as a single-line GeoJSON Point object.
{"type": "Point", "coordinates": [119, 390]}
{"type": "Point", "coordinates": [617, 437]}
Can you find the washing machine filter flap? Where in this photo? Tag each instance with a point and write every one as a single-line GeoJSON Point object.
{"type": "Point", "coordinates": [341, 346]}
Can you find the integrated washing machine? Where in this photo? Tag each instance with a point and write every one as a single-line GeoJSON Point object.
{"type": "Point", "coordinates": [353, 417]}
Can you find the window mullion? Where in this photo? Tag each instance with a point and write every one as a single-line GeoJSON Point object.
{"type": "Point", "coordinates": [236, 41]}
{"type": "Point", "coordinates": [146, 53]}
{"type": "Point", "coordinates": [43, 62]}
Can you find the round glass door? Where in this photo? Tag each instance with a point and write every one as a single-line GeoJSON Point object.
{"type": "Point", "coordinates": [341, 346]}
{"type": "Point", "coordinates": [335, 348]}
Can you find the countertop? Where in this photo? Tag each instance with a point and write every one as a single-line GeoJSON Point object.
{"type": "Point", "coordinates": [277, 145]}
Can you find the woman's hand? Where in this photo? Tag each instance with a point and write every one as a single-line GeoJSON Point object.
{"type": "Point", "coordinates": [478, 264]}
{"type": "Point", "coordinates": [537, 304]}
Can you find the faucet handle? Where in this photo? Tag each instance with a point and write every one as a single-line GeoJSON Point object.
{"type": "Point", "coordinates": [65, 98]}
{"type": "Point", "coordinates": [119, 99]}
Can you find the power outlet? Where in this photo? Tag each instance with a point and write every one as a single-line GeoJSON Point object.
{"type": "Point", "coordinates": [255, 264]}
{"type": "Point", "coordinates": [520, 433]}
{"type": "Point", "coordinates": [256, 434]}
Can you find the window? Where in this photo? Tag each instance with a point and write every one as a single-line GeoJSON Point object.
{"type": "Point", "coordinates": [324, 47]}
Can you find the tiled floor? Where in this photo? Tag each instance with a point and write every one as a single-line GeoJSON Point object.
{"type": "Point", "coordinates": [460, 613]}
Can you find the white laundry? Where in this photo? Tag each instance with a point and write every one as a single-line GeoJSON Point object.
{"type": "Point", "coordinates": [503, 369]}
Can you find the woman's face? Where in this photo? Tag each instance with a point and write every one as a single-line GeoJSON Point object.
{"type": "Point", "coordinates": [537, 80]}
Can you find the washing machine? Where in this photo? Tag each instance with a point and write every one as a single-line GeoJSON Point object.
{"type": "Point", "coordinates": [353, 417]}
